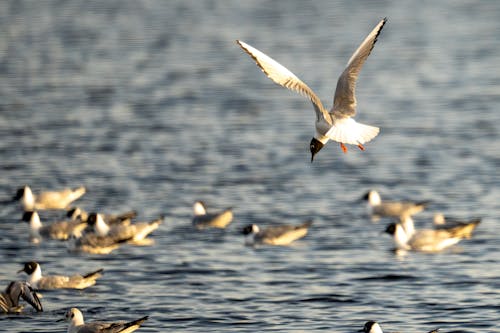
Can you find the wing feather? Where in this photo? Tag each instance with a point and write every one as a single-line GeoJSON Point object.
{"type": "Point", "coordinates": [284, 77]}
{"type": "Point", "coordinates": [344, 103]}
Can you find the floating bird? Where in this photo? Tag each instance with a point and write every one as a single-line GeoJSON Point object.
{"type": "Point", "coordinates": [40, 282]}
{"type": "Point", "coordinates": [47, 200]}
{"type": "Point", "coordinates": [9, 299]}
{"type": "Point", "coordinates": [395, 209]}
{"type": "Point", "coordinates": [427, 240]}
{"type": "Point", "coordinates": [373, 327]}
{"type": "Point", "coordinates": [77, 325]}
{"type": "Point", "coordinates": [336, 124]}
{"type": "Point", "coordinates": [203, 220]}
{"type": "Point", "coordinates": [275, 235]}
{"type": "Point", "coordinates": [78, 213]}
{"type": "Point", "coordinates": [136, 233]}
{"type": "Point", "coordinates": [61, 230]}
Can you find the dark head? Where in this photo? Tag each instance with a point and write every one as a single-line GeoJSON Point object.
{"type": "Point", "coordinates": [71, 212]}
{"type": "Point", "coordinates": [368, 326]}
{"type": "Point", "coordinates": [315, 146]}
{"type": "Point", "coordinates": [92, 219]}
{"type": "Point", "coordinates": [27, 216]}
{"type": "Point", "coordinates": [29, 267]}
{"type": "Point", "coordinates": [391, 229]}
{"type": "Point", "coordinates": [248, 229]}
{"type": "Point", "coordinates": [366, 196]}
{"type": "Point", "coordinates": [19, 194]}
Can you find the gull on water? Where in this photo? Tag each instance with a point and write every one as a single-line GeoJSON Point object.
{"type": "Point", "coordinates": [275, 235]}
{"type": "Point", "coordinates": [427, 240]}
{"type": "Point", "coordinates": [395, 209]}
{"type": "Point", "coordinates": [336, 124]}
{"type": "Point", "coordinates": [203, 220]}
{"type": "Point", "coordinates": [77, 325]}
{"type": "Point", "coordinates": [9, 298]}
{"type": "Point", "coordinates": [40, 282]}
{"type": "Point", "coordinates": [136, 233]}
{"type": "Point", "coordinates": [445, 222]}
{"type": "Point", "coordinates": [78, 213]}
{"type": "Point", "coordinates": [61, 230]}
{"type": "Point", "coordinates": [49, 199]}
{"type": "Point", "coordinates": [374, 327]}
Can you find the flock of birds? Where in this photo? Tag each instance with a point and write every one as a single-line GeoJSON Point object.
{"type": "Point", "coordinates": [101, 234]}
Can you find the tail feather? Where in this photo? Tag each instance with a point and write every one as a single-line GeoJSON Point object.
{"type": "Point", "coordinates": [351, 132]}
{"type": "Point", "coordinates": [95, 274]}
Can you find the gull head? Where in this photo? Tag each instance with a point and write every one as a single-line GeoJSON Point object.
{"type": "Point", "coordinates": [371, 327]}
{"type": "Point", "coordinates": [315, 146]}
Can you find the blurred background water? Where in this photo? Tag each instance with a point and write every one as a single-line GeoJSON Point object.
{"type": "Point", "coordinates": [152, 105]}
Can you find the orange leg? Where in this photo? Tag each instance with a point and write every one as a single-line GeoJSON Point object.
{"type": "Point", "coordinates": [344, 148]}
{"type": "Point", "coordinates": [360, 146]}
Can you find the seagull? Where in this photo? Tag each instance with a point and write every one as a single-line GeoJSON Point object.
{"type": "Point", "coordinates": [77, 325]}
{"type": "Point", "coordinates": [336, 124]}
{"type": "Point", "coordinates": [40, 282]}
{"type": "Point", "coordinates": [396, 209]}
{"type": "Point", "coordinates": [94, 244]}
{"type": "Point", "coordinates": [136, 233]}
{"type": "Point", "coordinates": [275, 235]}
{"type": "Point", "coordinates": [61, 230]}
{"type": "Point", "coordinates": [374, 327]}
{"type": "Point", "coordinates": [47, 200]}
{"type": "Point", "coordinates": [203, 220]}
{"type": "Point", "coordinates": [427, 240]}
{"type": "Point", "coordinates": [9, 299]}
{"type": "Point", "coordinates": [78, 213]}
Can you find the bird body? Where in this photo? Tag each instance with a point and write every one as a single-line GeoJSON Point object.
{"type": "Point", "coordinates": [49, 199]}
{"type": "Point", "coordinates": [203, 220]}
{"type": "Point", "coordinates": [77, 324]}
{"type": "Point", "coordinates": [76, 281]}
{"type": "Point", "coordinates": [428, 240]}
{"type": "Point", "coordinates": [394, 209]}
{"type": "Point", "coordinates": [61, 230]}
{"type": "Point", "coordinates": [275, 235]}
{"type": "Point", "coordinates": [336, 124]}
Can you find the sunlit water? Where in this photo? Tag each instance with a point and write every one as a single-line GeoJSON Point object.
{"type": "Point", "coordinates": [151, 105]}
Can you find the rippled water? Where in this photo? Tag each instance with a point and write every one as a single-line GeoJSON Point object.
{"type": "Point", "coordinates": [151, 105]}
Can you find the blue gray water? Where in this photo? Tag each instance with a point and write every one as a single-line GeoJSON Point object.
{"type": "Point", "coordinates": [152, 105]}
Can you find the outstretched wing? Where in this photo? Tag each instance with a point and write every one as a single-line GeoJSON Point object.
{"type": "Point", "coordinates": [29, 295]}
{"type": "Point", "coordinates": [344, 103]}
{"type": "Point", "coordinates": [282, 76]}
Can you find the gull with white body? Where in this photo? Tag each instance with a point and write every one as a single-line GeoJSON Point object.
{"type": "Point", "coordinates": [393, 209]}
{"type": "Point", "coordinates": [77, 324]}
{"type": "Point", "coordinates": [61, 230]}
{"type": "Point", "coordinates": [9, 298]}
{"type": "Point", "coordinates": [40, 282]}
{"type": "Point", "coordinates": [48, 199]}
{"type": "Point", "coordinates": [136, 233]}
{"type": "Point", "coordinates": [338, 123]}
{"type": "Point", "coordinates": [275, 235]}
{"type": "Point", "coordinates": [203, 220]}
{"type": "Point", "coordinates": [427, 240]}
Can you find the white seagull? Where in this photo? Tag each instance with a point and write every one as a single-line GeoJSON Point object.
{"type": "Point", "coordinates": [395, 209]}
{"type": "Point", "coordinates": [40, 282]}
{"type": "Point", "coordinates": [336, 124]}
{"type": "Point", "coordinates": [136, 233]}
{"type": "Point", "coordinates": [428, 240]}
{"type": "Point", "coordinates": [61, 230]}
{"type": "Point", "coordinates": [203, 220]}
{"type": "Point", "coordinates": [9, 299]}
{"type": "Point", "coordinates": [49, 199]}
{"type": "Point", "coordinates": [274, 235]}
{"type": "Point", "coordinates": [77, 325]}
